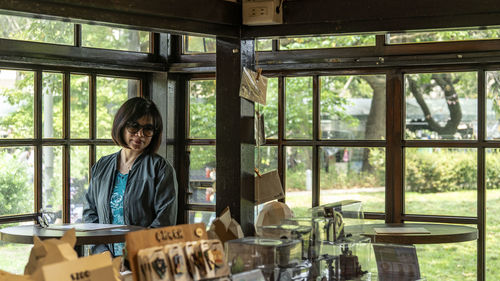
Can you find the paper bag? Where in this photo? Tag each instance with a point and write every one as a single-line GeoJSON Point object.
{"type": "Point", "coordinates": [92, 268]}
{"type": "Point", "coordinates": [225, 228]}
{"type": "Point", "coordinates": [268, 187]}
{"type": "Point", "coordinates": [51, 251]}
{"type": "Point", "coordinates": [253, 86]}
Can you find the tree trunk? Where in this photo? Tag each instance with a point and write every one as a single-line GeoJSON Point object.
{"type": "Point", "coordinates": [375, 124]}
{"type": "Point", "coordinates": [444, 81]}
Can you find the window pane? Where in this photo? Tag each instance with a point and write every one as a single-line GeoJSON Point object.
{"type": "Point", "coordinates": [492, 211]}
{"type": "Point", "coordinates": [270, 110]}
{"type": "Point", "coordinates": [441, 106]}
{"type": "Point", "coordinates": [111, 94]}
{"type": "Point", "coordinates": [16, 180]}
{"type": "Point", "coordinates": [202, 109]}
{"type": "Point", "coordinates": [202, 174]}
{"type": "Point", "coordinates": [104, 37]}
{"type": "Point", "coordinates": [79, 181]}
{"type": "Point", "coordinates": [493, 105]}
{"type": "Point", "coordinates": [104, 150]}
{"type": "Point", "coordinates": [298, 179]}
{"type": "Point", "coordinates": [437, 36]}
{"type": "Point", "coordinates": [52, 92]}
{"type": "Point", "coordinates": [264, 44]}
{"type": "Point", "coordinates": [436, 185]}
{"type": "Point", "coordinates": [79, 106]}
{"type": "Point", "coordinates": [38, 30]}
{"type": "Point", "coordinates": [195, 44]}
{"type": "Point", "coordinates": [268, 158]}
{"type": "Point", "coordinates": [449, 261]}
{"type": "Point", "coordinates": [353, 173]}
{"type": "Point", "coordinates": [52, 181]}
{"type": "Point", "coordinates": [353, 107]}
{"type": "Point", "coordinates": [14, 256]}
{"type": "Point", "coordinates": [318, 42]}
{"type": "Point", "coordinates": [201, 216]}
{"type": "Point", "coordinates": [16, 99]}
{"type": "Point", "coordinates": [298, 111]}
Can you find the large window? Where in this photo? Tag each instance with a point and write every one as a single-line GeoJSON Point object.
{"type": "Point", "coordinates": [50, 125]}
{"type": "Point", "coordinates": [201, 151]}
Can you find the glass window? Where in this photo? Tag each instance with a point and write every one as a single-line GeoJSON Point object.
{"type": "Point", "coordinates": [353, 173]}
{"type": "Point", "coordinates": [16, 99]}
{"type": "Point", "coordinates": [441, 106]}
{"type": "Point", "coordinates": [195, 44]}
{"type": "Point", "coordinates": [52, 92]}
{"type": "Point", "coordinates": [298, 176]}
{"type": "Point", "coordinates": [492, 218]}
{"type": "Point", "coordinates": [353, 107]}
{"type": "Point", "coordinates": [14, 256]}
{"type": "Point", "coordinates": [111, 94]}
{"type": "Point", "coordinates": [202, 175]}
{"type": "Point", "coordinates": [436, 185]}
{"type": "Point", "coordinates": [103, 150]}
{"type": "Point", "coordinates": [104, 37]}
{"type": "Point", "coordinates": [299, 106]}
{"type": "Point", "coordinates": [79, 181]}
{"type": "Point", "coordinates": [37, 30]}
{"type": "Point", "coordinates": [493, 105]}
{"type": "Point", "coordinates": [318, 42]}
{"type": "Point", "coordinates": [79, 106]}
{"type": "Point", "coordinates": [268, 158]}
{"type": "Point", "coordinates": [450, 261]}
{"type": "Point", "coordinates": [264, 44]}
{"type": "Point", "coordinates": [440, 36]}
{"type": "Point", "coordinates": [201, 216]}
{"type": "Point", "coordinates": [52, 191]}
{"type": "Point", "coordinates": [270, 110]}
{"type": "Point", "coordinates": [202, 109]}
{"type": "Point", "coordinates": [16, 180]}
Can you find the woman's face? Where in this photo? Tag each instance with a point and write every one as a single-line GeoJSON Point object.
{"type": "Point", "coordinates": [135, 133]}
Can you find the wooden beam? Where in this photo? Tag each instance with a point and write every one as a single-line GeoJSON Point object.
{"type": "Point", "coordinates": [214, 17]}
{"type": "Point", "coordinates": [235, 133]}
{"type": "Point", "coordinates": [366, 16]}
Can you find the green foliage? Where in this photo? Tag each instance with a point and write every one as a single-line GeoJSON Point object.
{"type": "Point", "coordinates": [327, 42]}
{"type": "Point", "coordinates": [16, 181]}
{"type": "Point", "coordinates": [47, 31]}
{"type": "Point", "coordinates": [202, 109]}
{"type": "Point", "coordinates": [298, 108]}
{"type": "Point", "coordinates": [430, 170]}
{"type": "Point", "coordinates": [96, 36]}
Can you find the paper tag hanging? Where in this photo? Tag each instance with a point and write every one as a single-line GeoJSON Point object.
{"type": "Point", "coordinates": [253, 86]}
{"type": "Point", "coordinates": [260, 134]}
{"type": "Point", "coordinates": [268, 187]}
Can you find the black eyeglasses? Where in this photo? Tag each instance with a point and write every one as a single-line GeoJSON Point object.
{"type": "Point", "coordinates": [133, 127]}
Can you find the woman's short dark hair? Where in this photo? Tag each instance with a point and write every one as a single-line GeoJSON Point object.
{"type": "Point", "coordinates": [132, 110]}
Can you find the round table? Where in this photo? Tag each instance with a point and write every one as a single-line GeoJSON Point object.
{"type": "Point", "coordinates": [24, 234]}
{"type": "Point", "coordinates": [438, 233]}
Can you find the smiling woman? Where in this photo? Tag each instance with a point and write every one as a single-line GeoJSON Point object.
{"type": "Point", "coordinates": [141, 184]}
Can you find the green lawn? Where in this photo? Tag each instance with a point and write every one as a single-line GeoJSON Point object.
{"type": "Point", "coordinates": [437, 262]}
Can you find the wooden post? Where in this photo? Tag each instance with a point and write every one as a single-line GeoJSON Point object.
{"type": "Point", "coordinates": [235, 133]}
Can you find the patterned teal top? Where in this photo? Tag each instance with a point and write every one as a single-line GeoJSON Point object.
{"type": "Point", "coordinates": [116, 204]}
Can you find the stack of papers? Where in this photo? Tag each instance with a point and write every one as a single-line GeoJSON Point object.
{"type": "Point", "coordinates": [401, 230]}
{"type": "Point", "coordinates": [84, 226]}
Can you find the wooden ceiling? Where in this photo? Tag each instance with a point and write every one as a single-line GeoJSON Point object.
{"type": "Point", "coordinates": [301, 17]}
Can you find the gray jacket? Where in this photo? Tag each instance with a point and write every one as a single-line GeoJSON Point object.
{"type": "Point", "coordinates": [150, 198]}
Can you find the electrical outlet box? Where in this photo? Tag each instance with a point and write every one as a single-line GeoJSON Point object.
{"type": "Point", "coordinates": [262, 12]}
